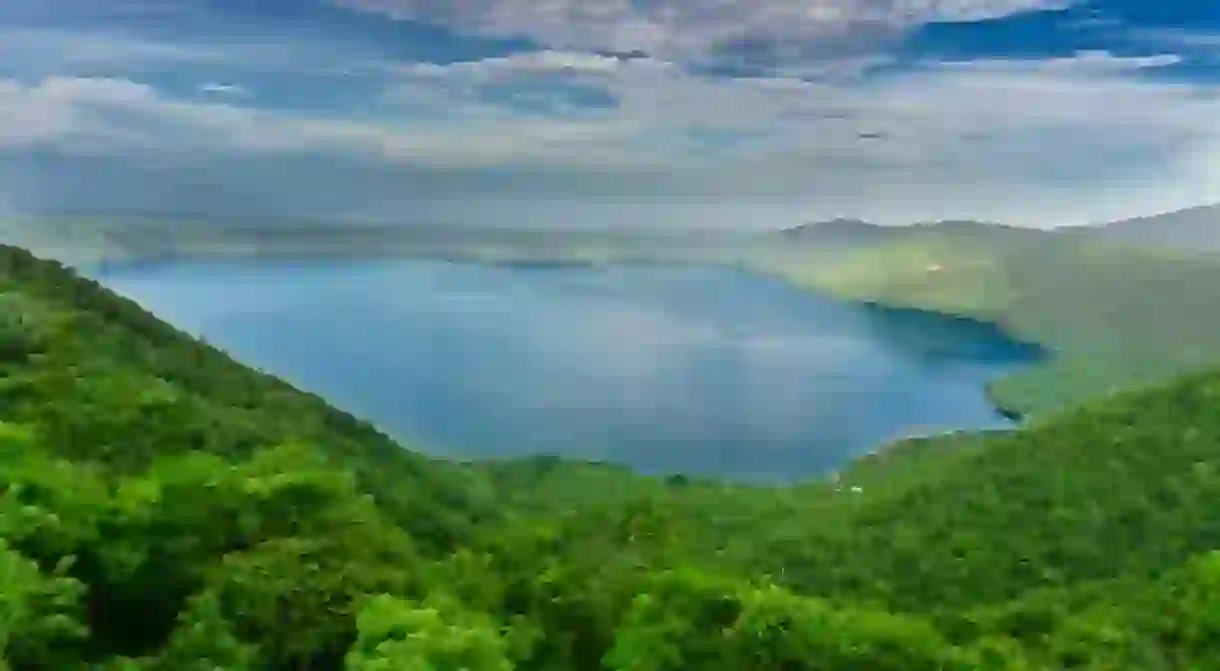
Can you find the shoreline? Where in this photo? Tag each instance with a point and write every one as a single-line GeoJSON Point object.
{"type": "Point", "coordinates": [1047, 355]}
{"type": "Point", "coordinates": [1043, 355]}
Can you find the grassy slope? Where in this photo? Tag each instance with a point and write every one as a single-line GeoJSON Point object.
{"type": "Point", "coordinates": [1113, 317]}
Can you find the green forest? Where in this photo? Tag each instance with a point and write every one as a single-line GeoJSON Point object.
{"type": "Point", "coordinates": [165, 508]}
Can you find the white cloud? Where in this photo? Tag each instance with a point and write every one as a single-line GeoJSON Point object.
{"type": "Point", "coordinates": [48, 52]}
{"type": "Point", "coordinates": [25, 120]}
{"type": "Point", "coordinates": [1036, 142]}
{"type": "Point", "coordinates": [934, 107]}
{"type": "Point", "coordinates": [223, 89]}
{"type": "Point", "coordinates": [682, 28]}
{"type": "Point", "coordinates": [535, 62]}
{"type": "Point", "coordinates": [52, 50]}
{"type": "Point", "coordinates": [1084, 62]}
{"type": "Point", "coordinates": [1181, 38]}
{"type": "Point", "coordinates": [117, 115]}
{"type": "Point", "coordinates": [1030, 141]}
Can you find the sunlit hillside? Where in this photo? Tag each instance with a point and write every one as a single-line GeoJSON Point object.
{"type": "Point", "coordinates": [1114, 316]}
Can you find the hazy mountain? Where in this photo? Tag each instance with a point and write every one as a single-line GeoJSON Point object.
{"type": "Point", "coordinates": [841, 231]}
{"type": "Point", "coordinates": [122, 237]}
{"type": "Point", "coordinates": [1196, 228]}
{"type": "Point", "coordinates": [855, 232]}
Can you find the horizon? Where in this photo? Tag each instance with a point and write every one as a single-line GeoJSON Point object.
{"type": "Point", "coordinates": [133, 216]}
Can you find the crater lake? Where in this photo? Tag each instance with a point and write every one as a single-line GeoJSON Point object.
{"type": "Point", "coordinates": [700, 370]}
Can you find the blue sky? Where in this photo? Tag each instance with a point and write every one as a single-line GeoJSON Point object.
{"type": "Point", "coordinates": [744, 113]}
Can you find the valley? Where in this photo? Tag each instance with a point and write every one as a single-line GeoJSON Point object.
{"type": "Point", "coordinates": [159, 496]}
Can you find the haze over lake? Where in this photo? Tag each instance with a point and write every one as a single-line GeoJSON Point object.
{"type": "Point", "coordinates": [700, 370]}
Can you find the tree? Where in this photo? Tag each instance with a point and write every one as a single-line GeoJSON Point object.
{"type": "Point", "coordinates": [436, 635]}
{"type": "Point", "coordinates": [40, 615]}
{"type": "Point", "coordinates": [204, 640]}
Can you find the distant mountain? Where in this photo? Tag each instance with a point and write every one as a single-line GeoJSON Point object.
{"type": "Point", "coordinates": [856, 232]}
{"type": "Point", "coordinates": [841, 231]}
{"type": "Point", "coordinates": [1196, 229]}
{"type": "Point", "coordinates": [965, 226]}
{"type": "Point", "coordinates": [83, 239]}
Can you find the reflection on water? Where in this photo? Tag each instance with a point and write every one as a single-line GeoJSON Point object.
{"type": "Point", "coordinates": [698, 370]}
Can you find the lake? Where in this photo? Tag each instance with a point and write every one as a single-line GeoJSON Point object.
{"type": "Point", "coordinates": [698, 370]}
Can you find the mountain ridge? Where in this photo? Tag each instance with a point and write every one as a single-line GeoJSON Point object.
{"type": "Point", "coordinates": [1190, 229]}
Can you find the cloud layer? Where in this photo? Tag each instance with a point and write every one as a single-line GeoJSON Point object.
{"type": "Point", "coordinates": [681, 29]}
{"type": "Point", "coordinates": [568, 134]}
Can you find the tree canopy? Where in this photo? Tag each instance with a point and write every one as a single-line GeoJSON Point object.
{"type": "Point", "coordinates": [163, 507]}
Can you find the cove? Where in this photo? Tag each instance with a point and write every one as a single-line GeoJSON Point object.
{"type": "Point", "coordinates": [704, 371]}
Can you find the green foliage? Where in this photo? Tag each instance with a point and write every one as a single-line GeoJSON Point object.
{"type": "Point", "coordinates": [163, 508]}
{"type": "Point", "coordinates": [434, 636]}
{"type": "Point", "coordinates": [687, 621]}
{"type": "Point", "coordinates": [203, 640]}
{"type": "Point", "coordinates": [39, 613]}
{"type": "Point", "coordinates": [19, 340]}
{"type": "Point", "coordinates": [1191, 604]}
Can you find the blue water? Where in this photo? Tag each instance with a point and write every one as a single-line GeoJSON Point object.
{"type": "Point", "coordinates": [704, 371]}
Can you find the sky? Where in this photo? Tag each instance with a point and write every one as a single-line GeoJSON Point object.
{"type": "Point", "coordinates": [744, 114]}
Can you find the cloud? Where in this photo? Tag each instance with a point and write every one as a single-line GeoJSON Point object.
{"type": "Point", "coordinates": [937, 114]}
{"type": "Point", "coordinates": [223, 89]}
{"type": "Point", "coordinates": [1084, 62]}
{"type": "Point", "coordinates": [120, 116]}
{"type": "Point", "coordinates": [23, 122]}
{"type": "Point", "coordinates": [39, 52]}
{"type": "Point", "coordinates": [1177, 38]}
{"type": "Point", "coordinates": [1083, 137]}
{"type": "Point", "coordinates": [680, 29]}
{"type": "Point", "coordinates": [57, 49]}
{"type": "Point", "coordinates": [530, 62]}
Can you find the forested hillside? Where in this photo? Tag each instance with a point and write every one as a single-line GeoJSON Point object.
{"type": "Point", "coordinates": [165, 508]}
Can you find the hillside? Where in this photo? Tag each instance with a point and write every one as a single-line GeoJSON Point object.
{"type": "Point", "coordinates": [1114, 317]}
{"type": "Point", "coordinates": [1194, 229]}
{"type": "Point", "coordinates": [166, 508]}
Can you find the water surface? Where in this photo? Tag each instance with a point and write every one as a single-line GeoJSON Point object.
{"type": "Point", "coordinates": [705, 371]}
